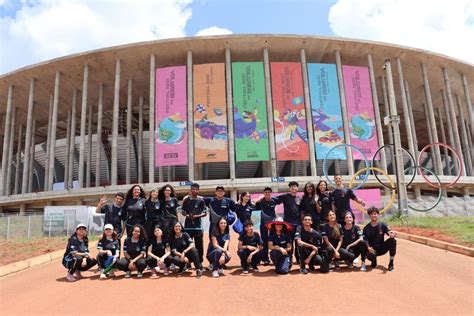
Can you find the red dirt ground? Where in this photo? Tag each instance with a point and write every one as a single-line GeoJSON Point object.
{"type": "Point", "coordinates": [12, 250]}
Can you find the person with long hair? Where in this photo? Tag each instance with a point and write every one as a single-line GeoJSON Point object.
{"type": "Point", "coordinates": [134, 251]}
{"type": "Point", "coordinates": [332, 232]}
{"type": "Point", "coordinates": [218, 252]}
{"type": "Point", "coordinates": [353, 240]}
{"type": "Point", "coordinates": [194, 209]}
{"type": "Point", "coordinates": [109, 251]}
{"type": "Point", "coordinates": [280, 244]}
{"type": "Point", "coordinates": [183, 251]}
{"type": "Point", "coordinates": [168, 207]}
{"type": "Point", "coordinates": [324, 202]}
{"type": "Point", "coordinates": [77, 258]}
{"type": "Point", "coordinates": [249, 248]}
{"type": "Point", "coordinates": [134, 208]}
{"type": "Point", "coordinates": [308, 204]}
{"type": "Point", "coordinates": [153, 215]}
{"type": "Point", "coordinates": [244, 207]}
{"type": "Point", "coordinates": [158, 253]}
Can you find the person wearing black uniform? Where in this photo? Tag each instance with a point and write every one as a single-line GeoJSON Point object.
{"type": "Point", "coordinates": [158, 253]}
{"type": "Point", "coordinates": [374, 233]}
{"type": "Point", "coordinates": [183, 251]}
{"type": "Point", "coordinates": [134, 208]}
{"type": "Point", "coordinates": [308, 204]}
{"type": "Point", "coordinates": [341, 199]}
{"type": "Point", "coordinates": [280, 244]}
{"type": "Point", "coordinates": [134, 250]}
{"type": "Point", "coordinates": [76, 257]}
{"type": "Point", "coordinates": [113, 212]}
{"type": "Point", "coordinates": [267, 206]}
{"type": "Point", "coordinates": [244, 208]}
{"type": "Point", "coordinates": [249, 248]}
{"type": "Point", "coordinates": [332, 237]}
{"type": "Point", "coordinates": [219, 206]}
{"type": "Point", "coordinates": [194, 209]}
{"type": "Point", "coordinates": [324, 201]}
{"type": "Point", "coordinates": [218, 252]}
{"type": "Point", "coordinates": [169, 205]}
{"type": "Point", "coordinates": [309, 242]}
{"type": "Point", "coordinates": [109, 250]}
{"type": "Point", "coordinates": [153, 215]}
{"type": "Point", "coordinates": [353, 240]}
{"type": "Point", "coordinates": [291, 205]}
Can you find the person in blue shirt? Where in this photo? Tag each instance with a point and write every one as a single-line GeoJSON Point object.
{"type": "Point", "coordinates": [249, 248]}
{"type": "Point", "coordinates": [77, 257]}
{"type": "Point", "coordinates": [218, 252]}
{"type": "Point", "coordinates": [109, 250]}
{"type": "Point", "coordinates": [194, 209]}
{"type": "Point", "coordinates": [219, 206]}
{"type": "Point", "coordinates": [134, 208]}
{"type": "Point", "coordinates": [280, 244]}
{"type": "Point", "coordinates": [113, 212]}
{"type": "Point", "coordinates": [244, 207]}
{"type": "Point", "coordinates": [134, 251]}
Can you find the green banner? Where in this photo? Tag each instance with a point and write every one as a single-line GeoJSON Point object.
{"type": "Point", "coordinates": [250, 113]}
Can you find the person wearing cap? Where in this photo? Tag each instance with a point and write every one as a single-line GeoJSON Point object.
{"type": "Point", "coordinates": [109, 251]}
{"type": "Point", "coordinates": [220, 206]}
{"type": "Point", "coordinates": [267, 206]}
{"type": "Point", "coordinates": [342, 199]}
{"type": "Point", "coordinates": [244, 207]}
{"type": "Point", "coordinates": [76, 258]}
{"type": "Point", "coordinates": [153, 215]}
{"type": "Point", "coordinates": [353, 240]}
{"type": "Point", "coordinates": [168, 206]}
{"type": "Point", "coordinates": [194, 209]}
{"type": "Point", "coordinates": [183, 252]}
{"type": "Point", "coordinates": [280, 244]}
{"type": "Point", "coordinates": [113, 212]}
{"type": "Point", "coordinates": [134, 251]}
{"type": "Point", "coordinates": [158, 253]}
{"type": "Point", "coordinates": [134, 208]}
{"type": "Point", "coordinates": [250, 248]}
{"type": "Point", "coordinates": [218, 252]}
{"type": "Point", "coordinates": [309, 243]}
{"type": "Point", "coordinates": [332, 236]}
{"type": "Point", "coordinates": [374, 233]}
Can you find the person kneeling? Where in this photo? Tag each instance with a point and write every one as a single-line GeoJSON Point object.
{"type": "Point", "coordinates": [374, 235]}
{"type": "Point", "coordinates": [134, 250]}
{"type": "Point", "coordinates": [183, 251]}
{"type": "Point", "coordinates": [280, 245]}
{"type": "Point", "coordinates": [109, 251]}
{"type": "Point", "coordinates": [218, 252]}
{"type": "Point", "coordinates": [158, 254]}
{"type": "Point", "coordinates": [353, 240]}
{"type": "Point", "coordinates": [250, 248]}
{"type": "Point", "coordinates": [77, 257]}
{"type": "Point", "coordinates": [309, 243]}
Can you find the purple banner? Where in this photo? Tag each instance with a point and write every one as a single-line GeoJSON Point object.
{"type": "Point", "coordinates": [171, 138]}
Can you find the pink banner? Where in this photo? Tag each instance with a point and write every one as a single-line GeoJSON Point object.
{"type": "Point", "coordinates": [360, 110]}
{"type": "Point", "coordinates": [371, 197]}
{"type": "Point", "coordinates": [171, 138]}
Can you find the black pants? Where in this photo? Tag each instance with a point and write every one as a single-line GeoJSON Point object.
{"type": "Point", "coordinates": [345, 255]}
{"type": "Point", "coordinates": [244, 254]}
{"type": "Point", "coordinates": [359, 250]}
{"type": "Point", "coordinates": [167, 226]}
{"type": "Point", "coordinates": [152, 262]}
{"type": "Point", "coordinates": [192, 256]}
{"type": "Point", "coordinates": [123, 263]}
{"type": "Point", "coordinates": [282, 262]}
{"type": "Point", "coordinates": [214, 257]}
{"type": "Point", "coordinates": [264, 235]}
{"type": "Point", "coordinates": [197, 235]}
{"type": "Point", "coordinates": [389, 245]}
{"type": "Point", "coordinates": [76, 264]}
{"type": "Point", "coordinates": [304, 253]}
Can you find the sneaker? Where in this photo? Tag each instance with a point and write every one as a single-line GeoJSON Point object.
{"type": "Point", "coordinates": [303, 271]}
{"type": "Point", "coordinates": [128, 274]}
{"type": "Point", "coordinates": [103, 276]}
{"type": "Point", "coordinates": [139, 274]}
{"type": "Point", "coordinates": [173, 267]}
{"type": "Point", "coordinates": [209, 267]}
{"type": "Point", "coordinates": [255, 269]}
{"type": "Point", "coordinates": [153, 274]}
{"type": "Point", "coordinates": [266, 263]}
{"type": "Point", "coordinates": [157, 269]}
{"type": "Point", "coordinates": [166, 271]}
{"type": "Point", "coordinates": [312, 268]}
{"type": "Point", "coordinates": [245, 271]}
{"type": "Point", "coordinates": [374, 263]}
{"type": "Point", "coordinates": [363, 267]}
{"type": "Point", "coordinates": [70, 277]}
{"type": "Point", "coordinates": [215, 274]}
{"type": "Point", "coordinates": [390, 266]}
{"type": "Point", "coordinates": [250, 268]}
{"type": "Point", "coordinates": [220, 271]}
{"type": "Point", "coordinates": [350, 265]}
{"type": "Point", "coordinates": [198, 273]}
{"type": "Point", "coordinates": [78, 274]}
{"type": "Point", "coordinates": [355, 261]}
{"type": "Point", "coordinates": [336, 264]}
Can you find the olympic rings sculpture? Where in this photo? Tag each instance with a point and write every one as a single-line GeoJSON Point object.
{"type": "Point", "coordinates": [411, 158]}
{"type": "Point", "coordinates": [440, 193]}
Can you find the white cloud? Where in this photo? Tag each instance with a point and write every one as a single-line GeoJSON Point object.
{"type": "Point", "coordinates": [445, 27]}
{"type": "Point", "coordinates": [213, 30]}
{"type": "Point", "coordinates": [44, 29]}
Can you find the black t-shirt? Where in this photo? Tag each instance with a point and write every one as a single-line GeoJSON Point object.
{"type": "Point", "coordinates": [375, 234]}
{"type": "Point", "coordinates": [113, 215]}
{"type": "Point", "coordinates": [244, 212]}
{"type": "Point", "coordinates": [134, 248]}
{"type": "Point", "coordinates": [350, 235]}
{"type": "Point", "coordinates": [325, 200]}
{"type": "Point", "coordinates": [75, 245]}
{"type": "Point", "coordinates": [152, 210]}
{"type": "Point", "coordinates": [168, 209]}
{"type": "Point", "coordinates": [109, 244]}
{"type": "Point", "coordinates": [331, 234]}
{"type": "Point", "coordinates": [195, 207]}
{"type": "Point", "coordinates": [312, 236]}
{"type": "Point", "coordinates": [341, 198]}
{"type": "Point", "coordinates": [158, 248]}
{"type": "Point", "coordinates": [282, 240]}
{"type": "Point", "coordinates": [267, 208]}
{"type": "Point", "coordinates": [221, 239]}
{"type": "Point", "coordinates": [255, 240]}
{"type": "Point", "coordinates": [180, 244]}
{"type": "Point", "coordinates": [134, 211]}
{"type": "Point", "coordinates": [291, 205]}
{"type": "Point", "coordinates": [308, 206]}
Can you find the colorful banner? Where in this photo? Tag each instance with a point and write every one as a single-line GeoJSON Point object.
{"type": "Point", "coordinates": [291, 136]}
{"type": "Point", "coordinates": [250, 112]}
{"type": "Point", "coordinates": [210, 113]}
{"type": "Point", "coordinates": [171, 148]}
{"type": "Point", "coordinates": [326, 111]}
{"type": "Point", "coordinates": [371, 197]}
{"type": "Point", "coordinates": [360, 109]}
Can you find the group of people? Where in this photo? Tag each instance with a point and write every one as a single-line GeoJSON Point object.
{"type": "Point", "coordinates": [317, 228]}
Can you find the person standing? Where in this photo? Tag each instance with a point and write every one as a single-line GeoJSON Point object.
{"type": "Point", "coordinates": [324, 200]}
{"type": "Point", "coordinates": [153, 215]}
{"type": "Point", "coordinates": [134, 208]}
{"type": "Point", "coordinates": [113, 212]}
{"type": "Point", "coordinates": [342, 199]}
{"type": "Point", "coordinates": [219, 206]}
{"type": "Point", "coordinates": [168, 207]}
{"type": "Point", "coordinates": [244, 208]}
{"type": "Point", "coordinates": [308, 204]}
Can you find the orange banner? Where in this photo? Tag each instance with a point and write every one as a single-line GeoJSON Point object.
{"type": "Point", "coordinates": [210, 113]}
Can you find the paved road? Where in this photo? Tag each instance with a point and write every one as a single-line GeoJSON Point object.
{"type": "Point", "coordinates": [426, 281]}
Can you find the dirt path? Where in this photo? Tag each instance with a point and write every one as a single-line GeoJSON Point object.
{"type": "Point", "coordinates": [426, 281]}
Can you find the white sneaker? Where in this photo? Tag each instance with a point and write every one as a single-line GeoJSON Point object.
{"type": "Point", "coordinates": [103, 276]}
{"type": "Point", "coordinates": [128, 274]}
{"type": "Point", "coordinates": [209, 267]}
{"type": "Point", "coordinates": [220, 271]}
{"type": "Point", "coordinates": [157, 269]}
{"type": "Point", "coordinates": [215, 274]}
{"type": "Point", "coordinates": [362, 267]}
{"type": "Point", "coordinates": [70, 277]}
{"type": "Point", "coordinates": [355, 261]}
{"type": "Point", "coordinates": [139, 275]}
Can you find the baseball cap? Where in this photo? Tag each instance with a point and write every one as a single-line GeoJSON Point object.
{"type": "Point", "coordinates": [108, 226]}
{"type": "Point", "coordinates": [81, 225]}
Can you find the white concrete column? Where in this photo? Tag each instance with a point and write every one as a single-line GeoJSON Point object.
{"type": "Point", "coordinates": [230, 112]}
{"type": "Point", "coordinates": [430, 134]}
{"type": "Point", "coordinates": [190, 104]}
{"type": "Point", "coordinates": [98, 154]}
{"type": "Point", "coordinates": [309, 117]}
{"type": "Point", "coordinates": [412, 120]}
{"type": "Point", "coordinates": [68, 144]}
{"type": "Point", "coordinates": [32, 158]}
{"type": "Point", "coordinates": [465, 148]}
{"type": "Point", "coordinates": [467, 95]}
{"type": "Point", "coordinates": [386, 109]}
{"type": "Point", "coordinates": [29, 123]}
{"type": "Point", "coordinates": [450, 129]}
{"type": "Point", "coordinates": [85, 85]}
{"type": "Point", "coordinates": [48, 144]}
{"type": "Point", "coordinates": [18, 161]}
{"type": "Point", "coordinates": [8, 181]}
{"type": "Point", "coordinates": [129, 132]}
{"type": "Point", "coordinates": [89, 146]}
{"type": "Point", "coordinates": [115, 118]}
{"type": "Point", "coordinates": [151, 122]}
{"type": "Point", "coordinates": [140, 140]}
{"type": "Point", "coordinates": [345, 115]}
{"type": "Point", "coordinates": [406, 115]}
{"type": "Point", "coordinates": [6, 142]}
{"type": "Point", "coordinates": [443, 139]}
{"type": "Point", "coordinates": [54, 122]}
{"type": "Point", "coordinates": [271, 126]}
{"type": "Point", "coordinates": [72, 142]}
